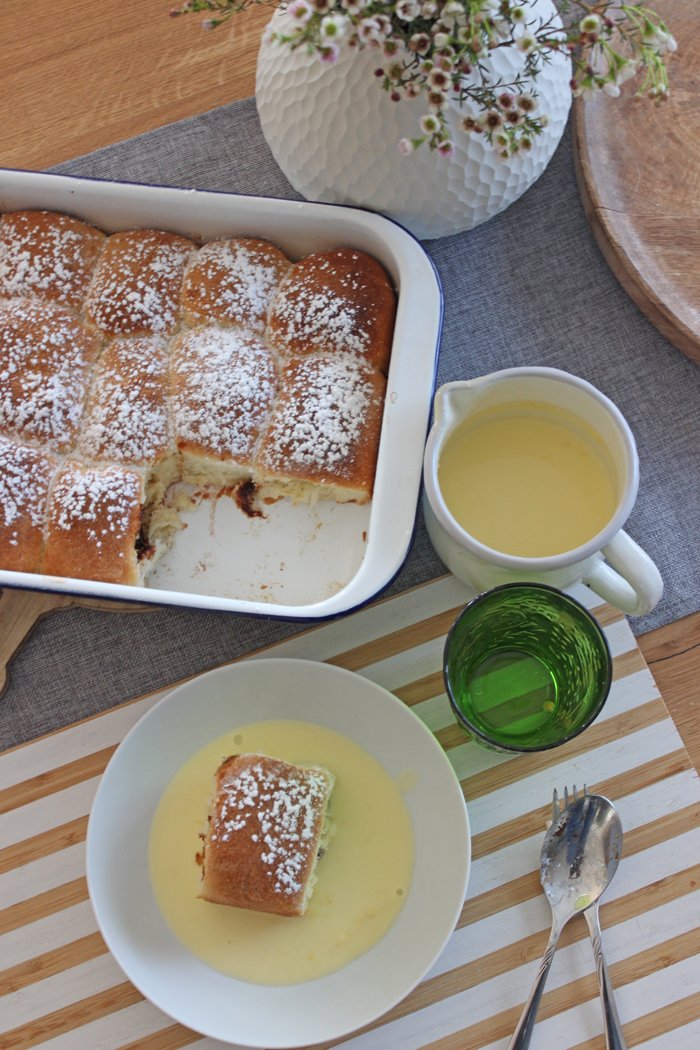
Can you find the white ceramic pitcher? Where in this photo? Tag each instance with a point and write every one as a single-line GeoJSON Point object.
{"type": "Point", "coordinates": [610, 563]}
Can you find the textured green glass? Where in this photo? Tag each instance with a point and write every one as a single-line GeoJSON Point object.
{"type": "Point", "coordinates": [526, 667]}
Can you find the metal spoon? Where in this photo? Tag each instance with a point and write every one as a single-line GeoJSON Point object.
{"type": "Point", "coordinates": [580, 855]}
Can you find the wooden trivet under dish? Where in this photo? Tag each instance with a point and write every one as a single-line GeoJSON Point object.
{"type": "Point", "coordinates": [21, 611]}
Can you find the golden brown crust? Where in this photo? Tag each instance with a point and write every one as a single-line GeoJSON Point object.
{"type": "Point", "coordinates": [94, 524]}
{"type": "Point", "coordinates": [337, 301]}
{"type": "Point", "coordinates": [137, 283]}
{"type": "Point", "coordinates": [265, 823]}
{"type": "Point", "coordinates": [45, 355]}
{"type": "Point", "coordinates": [47, 254]}
{"type": "Point", "coordinates": [232, 282]}
{"type": "Point", "coordinates": [324, 430]}
{"type": "Point", "coordinates": [126, 418]}
{"type": "Point", "coordinates": [138, 350]}
{"type": "Point", "coordinates": [25, 476]}
{"type": "Point", "coordinates": [222, 385]}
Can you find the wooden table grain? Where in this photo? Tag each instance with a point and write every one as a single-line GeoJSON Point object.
{"type": "Point", "coordinates": [78, 75]}
{"type": "Point", "coordinates": [647, 224]}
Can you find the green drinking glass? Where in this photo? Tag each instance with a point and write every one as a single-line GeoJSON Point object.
{"type": "Point", "coordinates": [526, 668]}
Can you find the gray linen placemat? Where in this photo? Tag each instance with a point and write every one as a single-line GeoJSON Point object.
{"type": "Point", "coordinates": [528, 287]}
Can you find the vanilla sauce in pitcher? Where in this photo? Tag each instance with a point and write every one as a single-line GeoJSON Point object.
{"type": "Point", "coordinates": [527, 478]}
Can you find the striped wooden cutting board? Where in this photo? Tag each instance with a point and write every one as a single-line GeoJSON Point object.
{"type": "Point", "coordinates": [61, 989]}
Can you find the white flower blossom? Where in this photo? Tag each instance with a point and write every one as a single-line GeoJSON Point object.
{"type": "Point", "coordinates": [526, 43]}
{"type": "Point", "coordinates": [453, 13]}
{"type": "Point", "coordinates": [369, 31]}
{"type": "Point", "coordinates": [333, 27]}
{"type": "Point", "coordinates": [660, 40]}
{"type": "Point", "coordinates": [590, 24]}
{"type": "Point", "coordinates": [301, 11]}
{"type": "Point", "coordinates": [407, 10]}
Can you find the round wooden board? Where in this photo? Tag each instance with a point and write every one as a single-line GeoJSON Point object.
{"type": "Point", "coordinates": [638, 167]}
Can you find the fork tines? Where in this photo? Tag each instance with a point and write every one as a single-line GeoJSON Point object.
{"type": "Point", "coordinates": [568, 798]}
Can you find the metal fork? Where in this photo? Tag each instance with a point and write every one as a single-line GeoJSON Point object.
{"type": "Point", "coordinates": [614, 1039]}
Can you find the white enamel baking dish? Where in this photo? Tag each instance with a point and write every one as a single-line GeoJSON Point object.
{"type": "Point", "coordinates": [300, 562]}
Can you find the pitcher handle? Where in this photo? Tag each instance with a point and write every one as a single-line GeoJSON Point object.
{"type": "Point", "coordinates": [631, 582]}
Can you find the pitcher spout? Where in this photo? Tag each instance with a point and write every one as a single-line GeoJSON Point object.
{"type": "Point", "coordinates": [453, 402]}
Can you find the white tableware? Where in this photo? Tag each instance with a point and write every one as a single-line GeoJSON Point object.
{"type": "Point", "coordinates": [610, 563]}
{"type": "Point", "coordinates": [301, 562]}
{"type": "Point", "coordinates": [117, 853]}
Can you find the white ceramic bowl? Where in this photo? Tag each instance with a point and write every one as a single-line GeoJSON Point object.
{"type": "Point", "coordinates": [117, 853]}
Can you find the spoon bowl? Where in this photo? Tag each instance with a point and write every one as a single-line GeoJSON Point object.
{"type": "Point", "coordinates": [580, 855]}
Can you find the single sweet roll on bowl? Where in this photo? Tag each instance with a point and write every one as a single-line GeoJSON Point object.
{"type": "Point", "coordinates": [268, 824]}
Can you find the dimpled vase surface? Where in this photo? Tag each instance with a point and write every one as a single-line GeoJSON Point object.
{"type": "Point", "coordinates": [334, 131]}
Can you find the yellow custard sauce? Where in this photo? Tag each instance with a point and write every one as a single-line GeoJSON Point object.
{"type": "Point", "coordinates": [363, 878]}
{"type": "Point", "coordinates": [528, 479]}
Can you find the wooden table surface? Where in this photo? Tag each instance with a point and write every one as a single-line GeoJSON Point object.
{"type": "Point", "coordinates": [79, 75]}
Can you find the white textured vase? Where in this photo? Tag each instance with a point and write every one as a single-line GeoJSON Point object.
{"type": "Point", "coordinates": [334, 132]}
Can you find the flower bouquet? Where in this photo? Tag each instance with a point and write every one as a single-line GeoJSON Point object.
{"type": "Point", "coordinates": [438, 51]}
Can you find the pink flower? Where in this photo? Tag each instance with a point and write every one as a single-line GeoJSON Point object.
{"type": "Point", "coordinates": [329, 53]}
{"type": "Point", "coordinates": [300, 11]}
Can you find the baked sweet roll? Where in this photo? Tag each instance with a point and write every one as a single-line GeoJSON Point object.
{"type": "Point", "coordinates": [48, 255]}
{"type": "Point", "coordinates": [126, 417]}
{"type": "Point", "coordinates": [137, 283]}
{"type": "Point", "coordinates": [268, 826]}
{"type": "Point", "coordinates": [338, 301]}
{"type": "Point", "coordinates": [222, 385]}
{"type": "Point", "coordinates": [323, 437]}
{"type": "Point", "coordinates": [232, 282]}
{"type": "Point", "coordinates": [94, 527]}
{"type": "Point", "coordinates": [25, 476]}
{"type": "Point", "coordinates": [45, 357]}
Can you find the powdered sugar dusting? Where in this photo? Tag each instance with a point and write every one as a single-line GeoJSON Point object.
{"type": "Point", "coordinates": [44, 356]}
{"type": "Point", "coordinates": [127, 418]}
{"type": "Point", "coordinates": [136, 287]}
{"type": "Point", "coordinates": [24, 480]}
{"type": "Point", "coordinates": [306, 318]}
{"type": "Point", "coordinates": [233, 282]}
{"type": "Point", "coordinates": [223, 387]}
{"type": "Point", "coordinates": [319, 419]}
{"type": "Point", "coordinates": [47, 254]}
{"type": "Point", "coordinates": [102, 500]}
{"type": "Point", "coordinates": [276, 806]}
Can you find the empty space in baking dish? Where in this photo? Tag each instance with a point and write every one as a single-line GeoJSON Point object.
{"type": "Point", "coordinates": [297, 554]}
{"type": "Point", "coordinates": [303, 561]}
